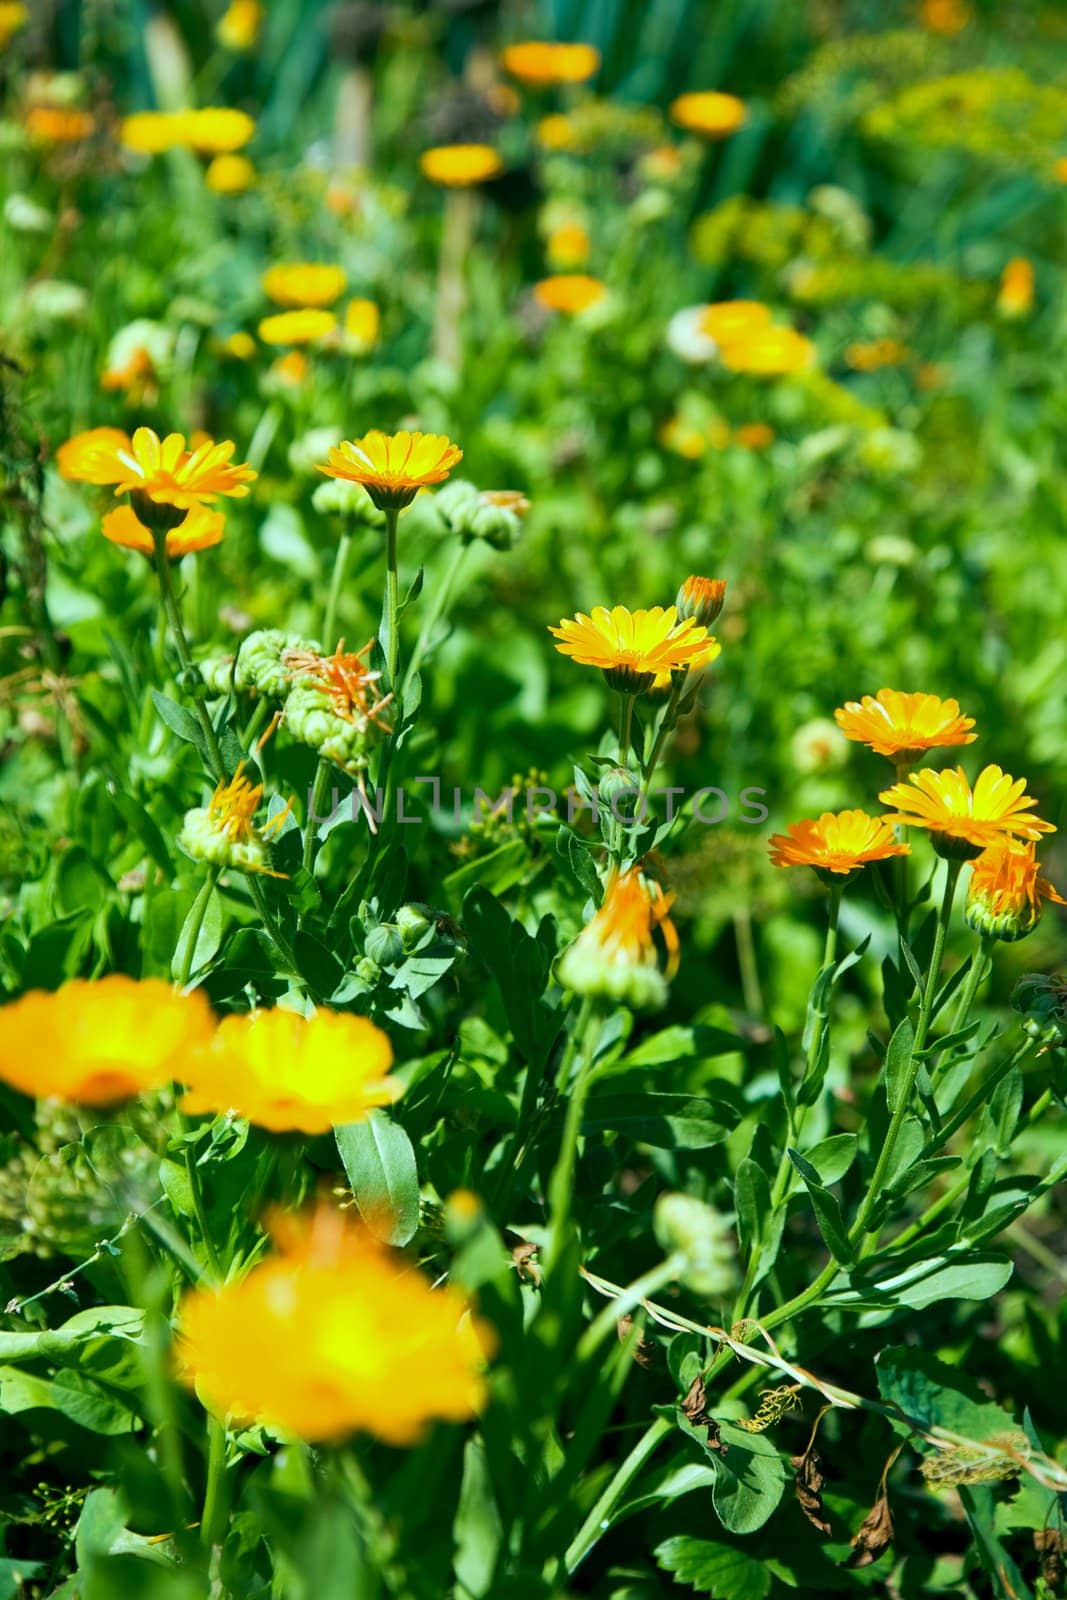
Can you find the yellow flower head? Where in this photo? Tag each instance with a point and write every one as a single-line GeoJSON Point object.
{"type": "Point", "coordinates": [334, 1335]}
{"type": "Point", "coordinates": [964, 822]}
{"type": "Point", "coordinates": [754, 436]}
{"type": "Point", "coordinates": [632, 647]}
{"type": "Point", "coordinates": [393, 467]}
{"type": "Point", "coordinates": [58, 124]}
{"type": "Point", "coordinates": [87, 457]}
{"type": "Point", "coordinates": [362, 326]}
{"type": "Point", "coordinates": [664, 682]}
{"type": "Point", "coordinates": [769, 352]}
{"type": "Point", "coordinates": [216, 130]}
{"type": "Point", "coordinates": [708, 113]}
{"type": "Point", "coordinates": [944, 16]}
{"type": "Point", "coordinates": [839, 843]}
{"type": "Point", "coordinates": [572, 292]}
{"type": "Point", "coordinates": [224, 832]}
{"type": "Point", "coordinates": [460, 166]}
{"type": "Point", "coordinates": [543, 65]}
{"type": "Point", "coordinates": [164, 472]}
{"type": "Point", "coordinates": [904, 726]}
{"type": "Point", "coordinates": [1005, 892]}
{"type": "Point", "coordinates": [199, 530]}
{"type": "Point", "coordinates": [557, 132]}
{"type": "Point", "coordinates": [230, 175]}
{"type": "Point", "coordinates": [297, 327]}
{"type": "Point", "coordinates": [98, 1043]}
{"type": "Point", "coordinates": [149, 133]}
{"type": "Point", "coordinates": [291, 1073]}
{"type": "Point", "coordinates": [13, 16]}
{"type": "Point", "coordinates": [568, 246]}
{"type": "Point", "coordinates": [727, 321]}
{"type": "Point", "coordinates": [238, 27]}
{"type": "Point", "coordinates": [876, 354]}
{"type": "Point", "coordinates": [616, 954]}
{"type": "Point", "coordinates": [304, 283]}
{"type": "Point", "coordinates": [1016, 296]}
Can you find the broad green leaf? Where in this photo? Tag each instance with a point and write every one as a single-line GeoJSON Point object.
{"type": "Point", "coordinates": [379, 1162]}
{"type": "Point", "coordinates": [682, 1043]}
{"type": "Point", "coordinates": [718, 1570]}
{"type": "Point", "coordinates": [666, 1121]}
{"type": "Point", "coordinates": [749, 1479]}
{"type": "Point", "coordinates": [935, 1395]}
{"type": "Point", "coordinates": [179, 720]}
{"type": "Point", "coordinates": [207, 933]}
{"type": "Point", "coordinates": [477, 1530]}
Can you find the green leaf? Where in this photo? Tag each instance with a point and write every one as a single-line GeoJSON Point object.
{"type": "Point", "coordinates": [749, 1479]}
{"type": "Point", "coordinates": [208, 936]}
{"type": "Point", "coordinates": [935, 1395]}
{"type": "Point", "coordinates": [832, 1157]}
{"type": "Point", "coordinates": [498, 871]}
{"type": "Point", "coordinates": [715, 1569]}
{"type": "Point", "coordinates": [178, 720]}
{"type": "Point", "coordinates": [898, 1062]}
{"type": "Point", "coordinates": [665, 1121]}
{"type": "Point", "coordinates": [379, 1162]}
{"type": "Point", "coordinates": [579, 862]}
{"type": "Point", "coordinates": [477, 1530]}
{"type": "Point", "coordinates": [682, 1043]}
{"type": "Point", "coordinates": [968, 1276]}
{"type": "Point", "coordinates": [72, 1394]}
{"type": "Point", "coordinates": [520, 963]}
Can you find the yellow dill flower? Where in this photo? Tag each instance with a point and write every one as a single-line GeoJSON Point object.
{"type": "Point", "coordinates": [199, 530]}
{"type": "Point", "coordinates": [291, 1073]}
{"type": "Point", "coordinates": [224, 831]}
{"type": "Point", "coordinates": [1005, 892]}
{"type": "Point", "coordinates": [58, 124]}
{"type": "Point", "coordinates": [297, 327]}
{"type": "Point", "coordinates": [837, 842]}
{"type": "Point", "coordinates": [1016, 295]}
{"type": "Point", "coordinates": [709, 113]}
{"type": "Point", "coordinates": [904, 726]}
{"type": "Point", "coordinates": [616, 955]}
{"type": "Point", "coordinates": [631, 647]}
{"type": "Point", "coordinates": [230, 174]}
{"type": "Point", "coordinates": [333, 1335]}
{"type": "Point", "coordinates": [216, 130]}
{"type": "Point", "coordinates": [13, 16]}
{"type": "Point", "coordinates": [87, 457]}
{"type": "Point", "coordinates": [460, 166]}
{"type": "Point", "coordinates": [571, 292]}
{"type": "Point", "coordinates": [769, 352]}
{"type": "Point", "coordinates": [393, 467]}
{"type": "Point", "coordinates": [964, 822]}
{"type": "Point", "coordinates": [98, 1043]}
{"type": "Point", "coordinates": [304, 283]}
{"type": "Point", "coordinates": [362, 326]}
{"type": "Point", "coordinates": [238, 27]}
{"type": "Point", "coordinates": [568, 246]}
{"type": "Point", "coordinates": [542, 65]}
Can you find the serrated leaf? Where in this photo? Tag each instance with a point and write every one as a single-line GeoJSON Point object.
{"type": "Point", "coordinates": [719, 1570]}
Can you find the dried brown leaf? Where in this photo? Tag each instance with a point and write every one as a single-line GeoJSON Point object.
{"type": "Point", "coordinates": [874, 1534]}
{"type": "Point", "coordinates": [809, 1482]}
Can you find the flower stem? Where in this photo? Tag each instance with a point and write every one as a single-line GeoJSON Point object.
{"type": "Point", "coordinates": [314, 816]}
{"type": "Point", "coordinates": [438, 608]}
{"type": "Point", "coordinates": [561, 1183]}
{"type": "Point", "coordinates": [185, 656]}
{"type": "Point", "coordinates": [599, 1519]}
{"type": "Point", "coordinates": [392, 597]}
{"type": "Point", "coordinates": [216, 1495]}
{"type": "Point", "coordinates": [340, 564]}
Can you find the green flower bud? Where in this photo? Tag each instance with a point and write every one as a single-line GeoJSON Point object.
{"type": "Point", "coordinates": [311, 719]}
{"type": "Point", "coordinates": [1041, 1001]}
{"type": "Point", "coordinates": [204, 837]}
{"type": "Point", "coordinates": [368, 971]}
{"type": "Point", "coordinates": [260, 667]}
{"type": "Point", "coordinates": [703, 1237]}
{"type": "Point", "coordinates": [340, 498]}
{"type": "Point", "coordinates": [413, 924]}
{"type": "Point", "coordinates": [619, 790]}
{"type": "Point", "coordinates": [384, 945]}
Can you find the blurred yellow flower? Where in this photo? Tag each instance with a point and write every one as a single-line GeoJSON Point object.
{"type": "Point", "coordinates": [557, 132]}
{"type": "Point", "coordinates": [290, 370]}
{"type": "Point", "coordinates": [1059, 171]}
{"type": "Point", "coordinates": [98, 1043]}
{"type": "Point", "coordinates": [230, 175]}
{"type": "Point", "coordinates": [304, 283]}
{"type": "Point", "coordinates": [460, 166]}
{"type": "Point", "coordinates": [769, 353]}
{"type": "Point", "coordinates": [238, 27]}
{"type": "Point", "coordinates": [731, 320]}
{"type": "Point", "coordinates": [616, 955]}
{"type": "Point", "coordinates": [944, 16]}
{"type": "Point", "coordinates": [542, 65]}
{"type": "Point", "coordinates": [870, 356]}
{"type": "Point", "coordinates": [755, 436]}
{"type": "Point", "coordinates": [216, 130]}
{"type": "Point", "coordinates": [962, 821]}
{"type": "Point", "coordinates": [840, 842]}
{"type": "Point", "coordinates": [1016, 294]}
{"type": "Point", "coordinates": [291, 1073]}
{"type": "Point", "coordinates": [631, 647]}
{"type": "Point", "coordinates": [199, 530]}
{"type": "Point", "coordinates": [568, 246]}
{"type": "Point", "coordinates": [1005, 892]}
{"type": "Point", "coordinates": [708, 113]}
{"type": "Point", "coordinates": [88, 457]}
{"type": "Point", "coordinates": [297, 327]}
{"type": "Point", "coordinates": [240, 346]}
{"type": "Point", "coordinates": [904, 726]}
{"type": "Point", "coordinates": [13, 16]}
{"type": "Point", "coordinates": [362, 325]}
{"type": "Point", "coordinates": [152, 132]}
{"type": "Point", "coordinates": [571, 292]}
{"type": "Point", "coordinates": [58, 124]}
{"type": "Point", "coordinates": [165, 472]}
{"type": "Point", "coordinates": [393, 467]}
{"type": "Point", "coordinates": [333, 1335]}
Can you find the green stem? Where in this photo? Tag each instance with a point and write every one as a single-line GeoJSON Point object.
{"type": "Point", "coordinates": [392, 597]}
{"type": "Point", "coordinates": [216, 1495]}
{"type": "Point", "coordinates": [196, 1190]}
{"type": "Point", "coordinates": [185, 656]}
{"type": "Point", "coordinates": [281, 943]}
{"type": "Point", "coordinates": [340, 565]}
{"type": "Point", "coordinates": [597, 1522]}
{"type": "Point", "coordinates": [314, 816]}
{"type": "Point", "coordinates": [561, 1183]}
{"type": "Point", "coordinates": [607, 1318]}
{"type": "Point", "coordinates": [980, 963]}
{"type": "Point", "coordinates": [983, 1093]}
{"type": "Point", "coordinates": [438, 608]}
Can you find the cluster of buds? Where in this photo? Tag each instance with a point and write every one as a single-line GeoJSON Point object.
{"type": "Point", "coordinates": [492, 515]}
{"type": "Point", "coordinates": [258, 667]}
{"type": "Point", "coordinates": [1041, 1001]}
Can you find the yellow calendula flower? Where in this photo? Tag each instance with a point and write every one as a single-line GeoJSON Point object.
{"type": "Point", "coordinates": [58, 124]}
{"type": "Point", "coordinates": [904, 726]}
{"type": "Point", "coordinates": [702, 599]}
{"type": "Point", "coordinates": [754, 436]}
{"type": "Point", "coordinates": [238, 27]}
{"type": "Point", "coordinates": [99, 1043]}
{"type": "Point", "coordinates": [304, 283]}
{"type": "Point", "coordinates": [568, 246]}
{"type": "Point", "coordinates": [199, 530]}
{"type": "Point", "coordinates": [686, 679]}
{"type": "Point", "coordinates": [164, 472]}
{"type": "Point", "coordinates": [727, 321]}
{"type": "Point", "coordinates": [460, 166]}
{"type": "Point", "coordinates": [290, 370]}
{"type": "Point", "coordinates": [362, 326]}
{"type": "Point", "coordinates": [224, 832]}
{"type": "Point", "coordinates": [570, 292]}
{"type": "Point", "coordinates": [231, 174]}
{"type": "Point", "coordinates": [543, 65]}
{"type": "Point", "coordinates": [769, 352]}
{"type": "Point", "coordinates": [13, 16]}
{"type": "Point", "coordinates": [297, 327]}
{"type": "Point", "coordinates": [1016, 294]}
{"type": "Point", "coordinates": [632, 647]}
{"type": "Point", "coordinates": [87, 457]}
{"type": "Point", "coordinates": [150, 133]}
{"type": "Point", "coordinates": [709, 113]}
{"type": "Point", "coordinates": [1005, 892]}
{"type": "Point", "coordinates": [290, 1073]}
{"type": "Point", "coordinates": [216, 130]}
{"type": "Point", "coordinates": [837, 842]}
{"type": "Point", "coordinates": [616, 955]}
{"type": "Point", "coordinates": [557, 132]}
{"type": "Point", "coordinates": [348, 1337]}
{"type": "Point", "coordinates": [963, 821]}
{"type": "Point", "coordinates": [393, 467]}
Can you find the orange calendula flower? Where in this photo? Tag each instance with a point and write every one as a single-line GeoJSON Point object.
{"type": "Point", "coordinates": [754, 436]}
{"type": "Point", "coordinates": [1005, 892]}
{"type": "Point", "coordinates": [632, 647]}
{"type": "Point", "coordinates": [99, 1043]}
{"type": "Point", "coordinates": [1016, 295]}
{"type": "Point", "coordinates": [460, 166]}
{"type": "Point", "coordinates": [87, 457]}
{"type": "Point", "coordinates": [166, 473]}
{"type": "Point", "coordinates": [348, 1337]}
{"type": "Point", "coordinates": [616, 955]}
{"type": "Point", "coordinates": [769, 352]}
{"type": "Point", "coordinates": [572, 292]}
{"type": "Point", "coordinates": [944, 16]}
{"type": "Point", "coordinates": [963, 821]}
{"type": "Point", "coordinates": [304, 283]}
{"type": "Point", "coordinates": [58, 124]}
{"type": "Point", "coordinates": [393, 467]}
{"type": "Point", "coordinates": [543, 65]}
{"type": "Point", "coordinates": [837, 842]}
{"type": "Point", "coordinates": [199, 530]}
{"type": "Point", "coordinates": [904, 726]}
{"type": "Point", "coordinates": [224, 832]}
{"type": "Point", "coordinates": [709, 113]}
{"type": "Point", "coordinates": [701, 599]}
{"type": "Point", "coordinates": [291, 1073]}
{"type": "Point", "coordinates": [305, 326]}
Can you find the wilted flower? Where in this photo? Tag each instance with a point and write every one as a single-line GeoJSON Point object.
{"type": "Point", "coordinates": [224, 831]}
{"type": "Point", "coordinates": [964, 822]}
{"type": "Point", "coordinates": [543, 65]}
{"type": "Point", "coordinates": [631, 647]}
{"type": "Point", "coordinates": [460, 166]}
{"type": "Point", "coordinates": [346, 1336]}
{"type": "Point", "coordinates": [304, 283]}
{"type": "Point", "coordinates": [904, 726]}
{"type": "Point", "coordinates": [837, 842]}
{"type": "Point", "coordinates": [709, 113]}
{"type": "Point", "coordinates": [259, 666]}
{"type": "Point", "coordinates": [1005, 892]}
{"type": "Point", "coordinates": [291, 1073]}
{"type": "Point", "coordinates": [616, 956]}
{"type": "Point", "coordinates": [393, 467]}
{"type": "Point", "coordinates": [97, 1043]}
{"type": "Point", "coordinates": [572, 292]}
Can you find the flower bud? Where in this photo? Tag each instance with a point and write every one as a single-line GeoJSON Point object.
{"type": "Point", "coordinates": [384, 945]}
{"type": "Point", "coordinates": [620, 791]}
{"type": "Point", "coordinates": [703, 1237]}
{"type": "Point", "coordinates": [260, 666]}
{"type": "Point", "coordinates": [412, 924]}
{"type": "Point", "coordinates": [1041, 1001]}
{"type": "Point", "coordinates": [368, 971]}
{"type": "Point", "coordinates": [701, 598]}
